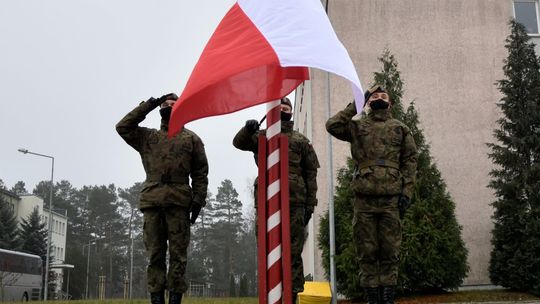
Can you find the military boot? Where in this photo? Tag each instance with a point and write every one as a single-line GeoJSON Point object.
{"type": "Point", "coordinates": [175, 298]}
{"type": "Point", "coordinates": [372, 295]}
{"type": "Point", "coordinates": [157, 297]}
{"type": "Point", "coordinates": [388, 294]}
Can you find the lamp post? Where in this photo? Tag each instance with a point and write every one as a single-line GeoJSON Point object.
{"type": "Point", "coordinates": [87, 267]}
{"type": "Point", "coordinates": [49, 232]}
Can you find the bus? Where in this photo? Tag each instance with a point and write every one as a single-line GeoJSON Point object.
{"type": "Point", "coordinates": [20, 276]}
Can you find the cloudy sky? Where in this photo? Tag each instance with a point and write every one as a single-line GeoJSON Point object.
{"type": "Point", "coordinates": [71, 69]}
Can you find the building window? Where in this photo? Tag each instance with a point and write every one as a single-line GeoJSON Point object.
{"type": "Point", "coordinates": [526, 13]}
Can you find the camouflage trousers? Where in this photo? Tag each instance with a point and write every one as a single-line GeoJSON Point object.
{"type": "Point", "coordinates": [377, 236]}
{"type": "Point", "coordinates": [162, 224]}
{"type": "Point", "coordinates": [298, 238]}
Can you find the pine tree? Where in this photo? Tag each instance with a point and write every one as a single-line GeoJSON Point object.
{"type": "Point", "coordinates": [232, 286]}
{"type": "Point", "coordinates": [433, 255]}
{"type": "Point", "coordinates": [244, 289]}
{"type": "Point", "coordinates": [223, 235]}
{"type": "Point", "coordinates": [390, 78]}
{"type": "Point", "coordinates": [515, 261]}
{"type": "Point", "coordinates": [198, 269]}
{"type": "Point", "coordinates": [9, 229]}
{"type": "Point", "coordinates": [19, 188]}
{"type": "Point", "coordinates": [33, 234]}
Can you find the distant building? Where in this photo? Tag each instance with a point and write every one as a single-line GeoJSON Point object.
{"type": "Point", "coordinates": [450, 54]}
{"type": "Point", "coordinates": [23, 205]}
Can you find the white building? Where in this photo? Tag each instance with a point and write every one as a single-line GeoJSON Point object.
{"type": "Point", "coordinates": [23, 205]}
{"type": "Point", "coordinates": [450, 54]}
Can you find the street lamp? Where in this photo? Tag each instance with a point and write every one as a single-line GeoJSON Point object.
{"type": "Point", "coordinates": [87, 266]}
{"type": "Point", "coordinates": [49, 232]}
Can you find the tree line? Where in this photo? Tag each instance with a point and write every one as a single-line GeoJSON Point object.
{"type": "Point", "coordinates": [104, 223]}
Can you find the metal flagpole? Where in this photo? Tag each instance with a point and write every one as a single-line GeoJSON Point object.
{"type": "Point", "coordinates": [331, 199]}
{"type": "Point", "coordinates": [330, 172]}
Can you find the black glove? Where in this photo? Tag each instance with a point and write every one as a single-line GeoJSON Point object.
{"type": "Point", "coordinates": [403, 204]}
{"type": "Point", "coordinates": [307, 214]}
{"type": "Point", "coordinates": [252, 125]}
{"type": "Point", "coordinates": [165, 97]}
{"type": "Point", "coordinates": [154, 103]}
{"type": "Point", "coordinates": [170, 96]}
{"type": "Point", "coordinates": [195, 210]}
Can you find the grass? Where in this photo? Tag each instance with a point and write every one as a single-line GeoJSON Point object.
{"type": "Point", "coordinates": [475, 296]}
{"type": "Point", "coordinates": [497, 295]}
{"type": "Point", "coordinates": [186, 300]}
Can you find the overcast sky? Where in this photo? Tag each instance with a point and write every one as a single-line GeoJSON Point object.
{"type": "Point", "coordinates": [70, 70]}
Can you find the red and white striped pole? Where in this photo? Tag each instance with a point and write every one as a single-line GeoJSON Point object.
{"type": "Point", "coordinates": [273, 213]}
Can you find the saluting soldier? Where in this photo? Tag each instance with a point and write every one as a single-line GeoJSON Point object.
{"type": "Point", "coordinates": [303, 165]}
{"type": "Point", "coordinates": [168, 202]}
{"type": "Point", "coordinates": [384, 154]}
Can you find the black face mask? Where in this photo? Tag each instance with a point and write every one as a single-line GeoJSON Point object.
{"type": "Point", "coordinates": [286, 116]}
{"type": "Point", "coordinates": [165, 113]}
{"type": "Point", "coordinates": [379, 104]}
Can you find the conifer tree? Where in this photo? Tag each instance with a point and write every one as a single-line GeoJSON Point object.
{"type": "Point", "coordinates": [433, 255]}
{"type": "Point", "coordinates": [9, 229]}
{"type": "Point", "coordinates": [224, 235]}
{"type": "Point", "coordinates": [33, 234]}
{"type": "Point", "coordinates": [515, 261]}
{"type": "Point", "coordinates": [19, 188]}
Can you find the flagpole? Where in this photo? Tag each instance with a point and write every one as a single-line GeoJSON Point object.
{"type": "Point", "coordinates": [330, 172]}
{"type": "Point", "coordinates": [331, 199]}
{"type": "Point", "coordinates": [273, 195]}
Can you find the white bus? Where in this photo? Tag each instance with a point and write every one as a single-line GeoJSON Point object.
{"type": "Point", "coordinates": [20, 276]}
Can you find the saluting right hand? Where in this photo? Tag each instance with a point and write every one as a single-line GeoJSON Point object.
{"type": "Point", "coordinates": [252, 125]}
{"type": "Point", "coordinates": [170, 96]}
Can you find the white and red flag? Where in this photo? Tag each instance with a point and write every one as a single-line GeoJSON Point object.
{"type": "Point", "coordinates": [260, 52]}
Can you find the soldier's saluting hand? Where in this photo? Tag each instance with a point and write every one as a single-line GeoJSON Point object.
{"type": "Point", "coordinates": [384, 154]}
{"type": "Point", "coordinates": [168, 202]}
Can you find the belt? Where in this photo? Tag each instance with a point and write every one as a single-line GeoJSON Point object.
{"type": "Point", "coordinates": [378, 162]}
{"type": "Point", "coordinates": [166, 178]}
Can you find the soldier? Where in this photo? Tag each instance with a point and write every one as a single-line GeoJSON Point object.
{"type": "Point", "coordinates": [166, 197]}
{"type": "Point", "coordinates": [303, 165]}
{"type": "Point", "coordinates": [384, 154]}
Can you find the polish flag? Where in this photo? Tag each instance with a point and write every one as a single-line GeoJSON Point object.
{"type": "Point", "coordinates": [260, 52]}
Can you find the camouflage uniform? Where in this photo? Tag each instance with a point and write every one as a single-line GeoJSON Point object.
{"type": "Point", "coordinates": [166, 196]}
{"type": "Point", "coordinates": [303, 165]}
{"type": "Point", "coordinates": [384, 153]}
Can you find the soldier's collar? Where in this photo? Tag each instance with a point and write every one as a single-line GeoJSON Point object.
{"type": "Point", "coordinates": [287, 126]}
{"type": "Point", "coordinates": [382, 114]}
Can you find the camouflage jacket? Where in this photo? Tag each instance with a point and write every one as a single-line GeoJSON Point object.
{"type": "Point", "coordinates": [382, 148]}
{"type": "Point", "coordinates": [168, 163]}
{"type": "Point", "coordinates": [303, 162]}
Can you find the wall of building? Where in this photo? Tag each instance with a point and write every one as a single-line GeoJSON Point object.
{"type": "Point", "coordinates": [450, 53]}
{"type": "Point", "coordinates": [27, 203]}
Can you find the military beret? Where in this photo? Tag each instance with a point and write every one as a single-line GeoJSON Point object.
{"type": "Point", "coordinates": [286, 101]}
{"type": "Point", "coordinates": [376, 88]}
